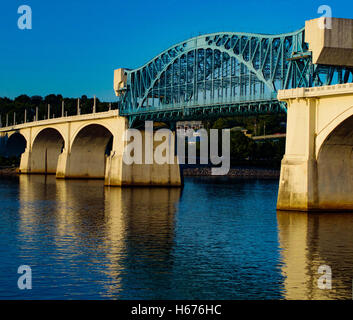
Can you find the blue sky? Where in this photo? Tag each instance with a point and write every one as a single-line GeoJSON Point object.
{"type": "Point", "coordinates": [74, 46]}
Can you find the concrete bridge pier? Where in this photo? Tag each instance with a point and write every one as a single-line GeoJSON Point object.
{"type": "Point", "coordinates": [25, 163]}
{"type": "Point", "coordinates": [63, 161]}
{"type": "Point", "coordinates": [148, 173]}
{"type": "Point", "coordinates": [317, 169]}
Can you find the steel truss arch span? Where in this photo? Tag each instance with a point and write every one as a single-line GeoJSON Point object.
{"type": "Point", "coordinates": [223, 71]}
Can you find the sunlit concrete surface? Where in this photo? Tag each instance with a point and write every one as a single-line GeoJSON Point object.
{"type": "Point", "coordinates": [311, 240]}
{"type": "Point", "coordinates": [317, 169]}
{"type": "Point", "coordinates": [330, 41]}
{"type": "Point", "coordinates": [87, 146]}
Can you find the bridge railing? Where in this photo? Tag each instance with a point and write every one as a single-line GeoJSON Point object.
{"type": "Point", "coordinates": [12, 119]}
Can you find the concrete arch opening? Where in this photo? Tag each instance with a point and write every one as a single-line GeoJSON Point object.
{"type": "Point", "coordinates": [335, 168]}
{"type": "Point", "coordinates": [16, 145]}
{"type": "Point", "coordinates": [88, 152]}
{"type": "Point", "coordinates": [46, 148]}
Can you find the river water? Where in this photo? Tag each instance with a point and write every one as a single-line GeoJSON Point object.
{"type": "Point", "coordinates": [214, 239]}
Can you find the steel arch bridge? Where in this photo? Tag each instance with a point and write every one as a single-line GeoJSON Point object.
{"type": "Point", "coordinates": [222, 74]}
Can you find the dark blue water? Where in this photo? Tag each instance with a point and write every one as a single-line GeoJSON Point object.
{"type": "Point", "coordinates": [215, 239]}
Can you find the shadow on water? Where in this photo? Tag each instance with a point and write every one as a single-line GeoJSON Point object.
{"type": "Point", "coordinates": [309, 240]}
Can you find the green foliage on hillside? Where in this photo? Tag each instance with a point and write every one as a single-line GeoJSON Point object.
{"type": "Point", "coordinates": [273, 123]}
{"type": "Point", "coordinates": [246, 151]}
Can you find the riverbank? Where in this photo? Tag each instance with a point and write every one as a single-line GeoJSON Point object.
{"type": "Point", "coordinates": [258, 173]}
{"type": "Point", "coordinates": [194, 172]}
{"type": "Point", "coordinates": [8, 172]}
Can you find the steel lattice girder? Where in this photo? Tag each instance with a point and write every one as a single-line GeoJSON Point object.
{"type": "Point", "coordinates": [223, 69]}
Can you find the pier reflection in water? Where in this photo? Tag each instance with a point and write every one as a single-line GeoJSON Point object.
{"type": "Point", "coordinates": [215, 239]}
{"type": "Point", "coordinates": [309, 241]}
{"type": "Point", "coordinates": [71, 221]}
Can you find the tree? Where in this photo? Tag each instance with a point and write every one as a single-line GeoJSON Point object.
{"type": "Point", "coordinates": [239, 146]}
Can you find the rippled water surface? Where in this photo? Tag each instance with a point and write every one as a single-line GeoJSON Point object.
{"type": "Point", "coordinates": [215, 239]}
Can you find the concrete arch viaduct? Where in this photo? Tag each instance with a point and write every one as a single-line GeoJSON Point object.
{"type": "Point", "coordinates": [87, 146]}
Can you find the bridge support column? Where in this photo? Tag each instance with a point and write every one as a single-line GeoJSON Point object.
{"type": "Point", "coordinates": [298, 185]}
{"type": "Point", "coordinates": [317, 169]}
{"type": "Point", "coordinates": [62, 164]}
{"type": "Point", "coordinates": [119, 173]}
{"type": "Point", "coordinates": [25, 163]}
{"type": "Point", "coordinates": [298, 180]}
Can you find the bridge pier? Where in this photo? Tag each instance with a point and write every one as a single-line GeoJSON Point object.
{"type": "Point", "coordinates": [62, 164]}
{"type": "Point", "coordinates": [25, 163]}
{"type": "Point", "coordinates": [119, 173]}
{"type": "Point", "coordinates": [317, 169]}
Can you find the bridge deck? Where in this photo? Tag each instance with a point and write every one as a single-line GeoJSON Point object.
{"type": "Point", "coordinates": [46, 122]}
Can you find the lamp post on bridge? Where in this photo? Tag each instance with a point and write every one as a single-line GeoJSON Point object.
{"type": "Point", "coordinates": [25, 116]}
{"type": "Point", "coordinates": [94, 104]}
{"type": "Point", "coordinates": [48, 111]}
{"type": "Point", "coordinates": [14, 118]}
{"type": "Point", "coordinates": [62, 109]}
{"type": "Point", "coordinates": [7, 119]}
{"type": "Point", "coordinates": [36, 118]}
{"type": "Point", "coordinates": [78, 107]}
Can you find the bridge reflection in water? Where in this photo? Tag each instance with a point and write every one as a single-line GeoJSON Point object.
{"type": "Point", "coordinates": [86, 241]}
{"type": "Point", "coordinates": [111, 226]}
{"type": "Point", "coordinates": [309, 241]}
